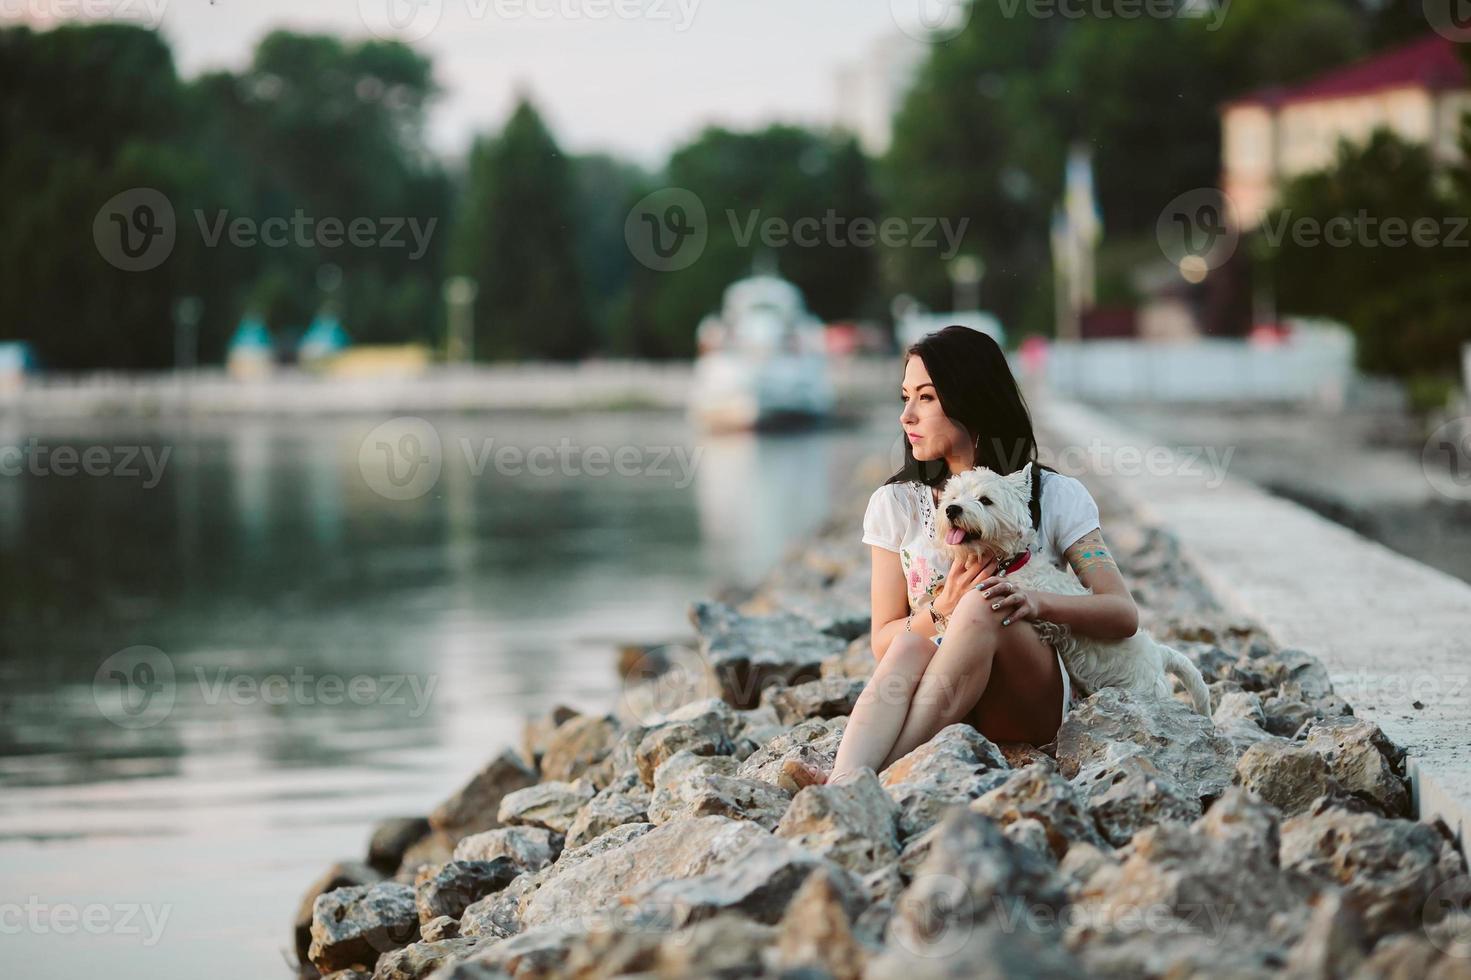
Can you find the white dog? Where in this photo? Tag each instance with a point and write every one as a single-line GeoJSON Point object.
{"type": "Point", "coordinates": [984, 513]}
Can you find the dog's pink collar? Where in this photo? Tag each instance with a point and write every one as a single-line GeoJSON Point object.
{"type": "Point", "coordinates": [1017, 562]}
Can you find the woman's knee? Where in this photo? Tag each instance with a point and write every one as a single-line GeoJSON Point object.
{"type": "Point", "coordinates": [975, 612]}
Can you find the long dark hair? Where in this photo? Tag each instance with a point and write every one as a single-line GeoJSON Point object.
{"type": "Point", "coordinates": [978, 391]}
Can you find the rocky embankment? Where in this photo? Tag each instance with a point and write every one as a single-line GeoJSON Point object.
{"type": "Point", "coordinates": [657, 840]}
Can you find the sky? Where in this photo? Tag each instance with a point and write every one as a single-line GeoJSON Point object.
{"type": "Point", "coordinates": [633, 77]}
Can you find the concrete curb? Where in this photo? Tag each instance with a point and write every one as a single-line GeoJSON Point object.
{"type": "Point", "coordinates": [1394, 634]}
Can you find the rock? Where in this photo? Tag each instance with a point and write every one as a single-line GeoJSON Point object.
{"type": "Point", "coordinates": [1292, 666]}
{"type": "Point", "coordinates": [578, 744]}
{"type": "Point", "coordinates": [971, 873]}
{"type": "Point", "coordinates": [552, 805]}
{"type": "Point", "coordinates": [1284, 716]}
{"type": "Point", "coordinates": [956, 766]}
{"type": "Point", "coordinates": [1287, 775]}
{"type": "Point", "coordinates": [531, 955]}
{"type": "Point", "coordinates": [1333, 944]}
{"type": "Point", "coordinates": [661, 742]}
{"type": "Point", "coordinates": [856, 662]}
{"type": "Point", "coordinates": [391, 838]}
{"type": "Point", "coordinates": [746, 654]}
{"type": "Point", "coordinates": [1083, 861]}
{"type": "Point", "coordinates": [680, 849]}
{"type": "Point", "coordinates": [1128, 795]}
{"type": "Point", "coordinates": [757, 881]}
{"type": "Point", "coordinates": [816, 932]}
{"type": "Point", "coordinates": [1020, 755]}
{"type": "Point", "coordinates": [1412, 957]}
{"type": "Point", "coordinates": [474, 807]}
{"type": "Point", "coordinates": [828, 698]}
{"type": "Point", "coordinates": [984, 952]}
{"type": "Point", "coordinates": [625, 801]}
{"type": "Point", "coordinates": [457, 885]}
{"type": "Point", "coordinates": [852, 824]}
{"type": "Point", "coordinates": [440, 928]}
{"type": "Point", "coordinates": [536, 733]}
{"type": "Point", "coordinates": [1387, 868]}
{"type": "Point", "coordinates": [343, 875]}
{"type": "Point", "coordinates": [1363, 761]}
{"type": "Point", "coordinates": [498, 915]}
{"type": "Point", "coordinates": [419, 960]}
{"type": "Point", "coordinates": [433, 849]}
{"type": "Point", "coordinates": [352, 926]}
{"type": "Point", "coordinates": [1184, 746]}
{"type": "Point", "coordinates": [814, 742]}
{"type": "Point", "coordinates": [531, 848]}
{"type": "Point", "coordinates": [725, 946]}
{"type": "Point", "coordinates": [690, 785]}
{"type": "Point", "coordinates": [1034, 794]}
{"type": "Point", "coordinates": [1031, 834]}
{"type": "Point", "coordinates": [1244, 822]}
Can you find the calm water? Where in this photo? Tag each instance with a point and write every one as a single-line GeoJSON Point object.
{"type": "Point", "coordinates": [337, 655]}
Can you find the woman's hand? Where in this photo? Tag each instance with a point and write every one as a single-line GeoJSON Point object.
{"type": "Point", "coordinates": [1010, 601]}
{"type": "Point", "coordinates": [962, 577]}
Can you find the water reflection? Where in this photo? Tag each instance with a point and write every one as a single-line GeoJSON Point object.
{"type": "Point", "coordinates": [263, 563]}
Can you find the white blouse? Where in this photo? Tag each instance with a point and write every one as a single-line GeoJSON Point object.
{"type": "Point", "coordinates": [901, 517]}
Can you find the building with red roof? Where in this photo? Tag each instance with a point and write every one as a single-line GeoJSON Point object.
{"type": "Point", "coordinates": [1418, 91]}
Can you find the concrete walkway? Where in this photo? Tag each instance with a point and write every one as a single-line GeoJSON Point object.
{"type": "Point", "coordinates": [1395, 634]}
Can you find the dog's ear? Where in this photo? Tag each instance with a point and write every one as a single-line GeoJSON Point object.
{"type": "Point", "coordinates": [1023, 476]}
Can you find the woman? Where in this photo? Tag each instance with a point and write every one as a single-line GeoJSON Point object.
{"type": "Point", "coordinates": [962, 408]}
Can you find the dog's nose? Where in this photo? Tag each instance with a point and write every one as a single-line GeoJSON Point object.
{"type": "Point", "coordinates": [953, 511]}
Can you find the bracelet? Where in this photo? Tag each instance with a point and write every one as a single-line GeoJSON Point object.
{"type": "Point", "coordinates": [941, 620]}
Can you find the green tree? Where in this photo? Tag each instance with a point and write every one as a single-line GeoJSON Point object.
{"type": "Point", "coordinates": [517, 239]}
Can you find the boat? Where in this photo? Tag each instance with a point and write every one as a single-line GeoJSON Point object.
{"type": "Point", "coordinates": [762, 361]}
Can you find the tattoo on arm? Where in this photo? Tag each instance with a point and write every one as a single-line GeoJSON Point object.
{"type": "Point", "coordinates": [1089, 552]}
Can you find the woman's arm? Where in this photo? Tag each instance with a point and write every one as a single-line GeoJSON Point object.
{"type": "Point", "coordinates": [890, 602]}
{"type": "Point", "coordinates": [1109, 613]}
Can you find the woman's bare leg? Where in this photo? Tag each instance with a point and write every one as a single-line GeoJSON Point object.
{"type": "Point", "coordinates": [1006, 679]}
{"type": "Point", "coordinates": [878, 714]}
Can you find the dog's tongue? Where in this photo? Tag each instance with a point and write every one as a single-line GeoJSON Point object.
{"type": "Point", "coordinates": [956, 536]}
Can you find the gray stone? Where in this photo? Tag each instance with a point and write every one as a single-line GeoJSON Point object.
{"type": "Point", "coordinates": [1184, 746]}
{"type": "Point", "coordinates": [828, 698]}
{"type": "Point", "coordinates": [1285, 774]}
{"type": "Point", "coordinates": [474, 807]}
{"type": "Point", "coordinates": [419, 960]}
{"type": "Point", "coordinates": [552, 805]}
{"type": "Point", "coordinates": [352, 927]}
{"type": "Point", "coordinates": [852, 823]}
{"type": "Point", "coordinates": [1125, 796]}
{"type": "Point", "coordinates": [343, 875]}
{"type": "Point", "coordinates": [956, 766]}
{"type": "Point", "coordinates": [624, 801]}
{"type": "Point", "coordinates": [679, 849]}
{"type": "Point", "coordinates": [814, 742]}
{"type": "Point", "coordinates": [391, 838]}
{"type": "Point", "coordinates": [459, 884]}
{"type": "Point", "coordinates": [577, 745]}
{"type": "Point", "coordinates": [531, 848]}
{"type": "Point", "coordinates": [1363, 761]}
{"type": "Point", "coordinates": [746, 654]}
{"type": "Point", "coordinates": [1045, 797]}
{"type": "Point", "coordinates": [690, 785]}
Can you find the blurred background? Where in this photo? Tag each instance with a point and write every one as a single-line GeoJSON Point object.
{"type": "Point", "coordinates": [371, 374]}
